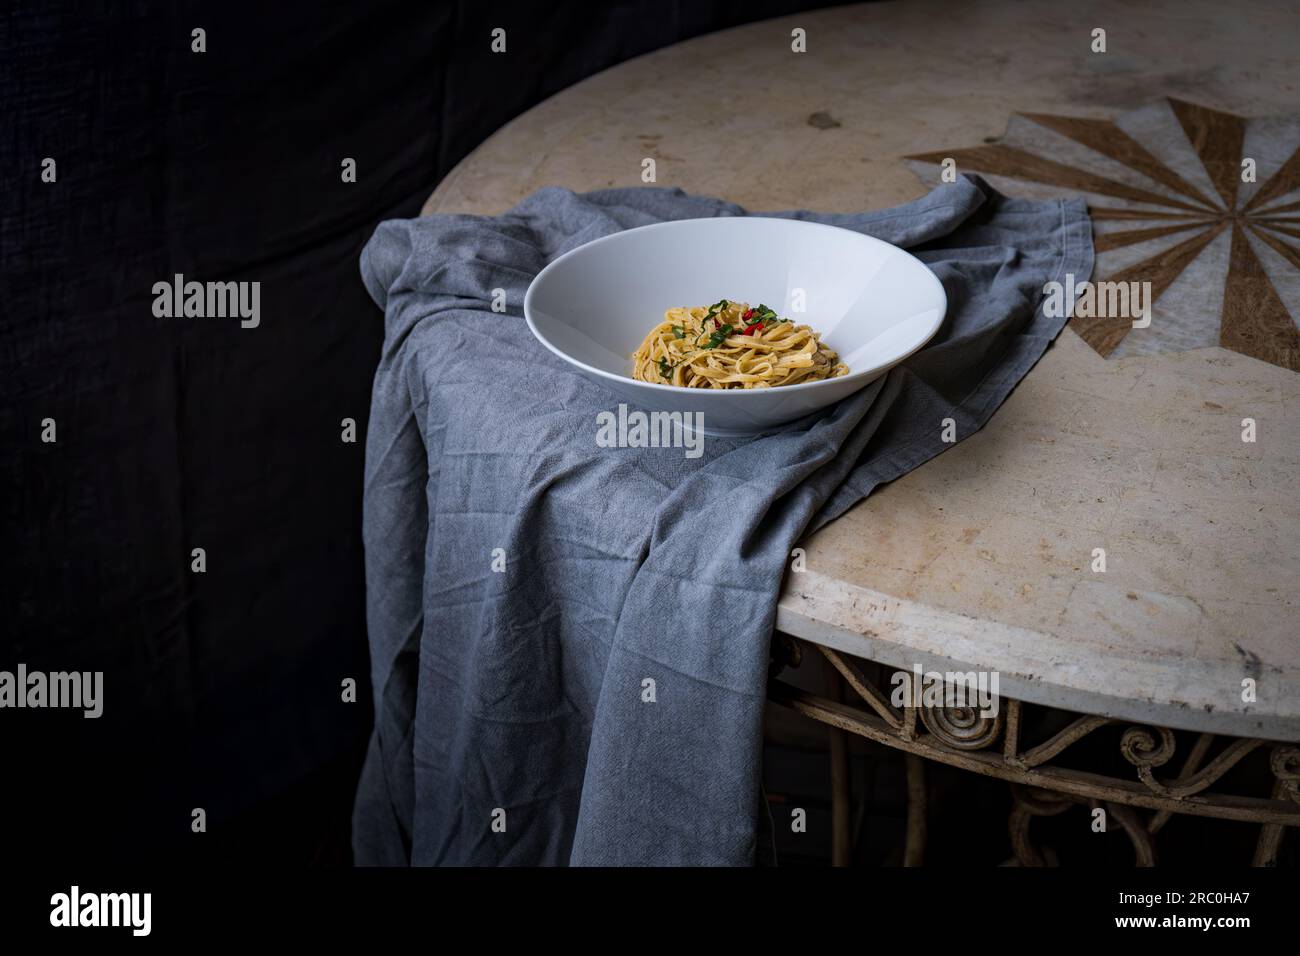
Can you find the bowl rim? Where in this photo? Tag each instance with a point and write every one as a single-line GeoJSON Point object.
{"type": "Point", "coordinates": [873, 372]}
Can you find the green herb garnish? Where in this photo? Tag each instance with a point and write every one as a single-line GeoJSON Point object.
{"type": "Point", "coordinates": [718, 337]}
{"type": "Point", "coordinates": [665, 369]}
{"type": "Point", "coordinates": [678, 332]}
{"type": "Point", "coordinates": [714, 309]}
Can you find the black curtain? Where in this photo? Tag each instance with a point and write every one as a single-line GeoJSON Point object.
{"type": "Point", "coordinates": [223, 687]}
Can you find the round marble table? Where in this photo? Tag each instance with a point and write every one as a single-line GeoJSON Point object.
{"type": "Point", "coordinates": [985, 557]}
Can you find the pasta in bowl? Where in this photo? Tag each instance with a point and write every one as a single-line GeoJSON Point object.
{"type": "Point", "coordinates": [733, 345]}
{"type": "Point", "coordinates": [847, 307]}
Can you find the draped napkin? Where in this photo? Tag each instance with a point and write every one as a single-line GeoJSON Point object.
{"type": "Point", "coordinates": [569, 642]}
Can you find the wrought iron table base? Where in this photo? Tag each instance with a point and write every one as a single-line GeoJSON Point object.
{"type": "Point", "coordinates": [991, 746]}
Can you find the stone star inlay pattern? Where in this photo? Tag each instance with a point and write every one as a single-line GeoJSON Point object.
{"type": "Point", "coordinates": [1169, 205]}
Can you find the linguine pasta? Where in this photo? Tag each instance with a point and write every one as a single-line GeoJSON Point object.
{"type": "Point", "coordinates": [731, 345]}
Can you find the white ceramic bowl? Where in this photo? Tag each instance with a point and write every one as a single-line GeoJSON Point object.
{"type": "Point", "coordinates": [872, 302]}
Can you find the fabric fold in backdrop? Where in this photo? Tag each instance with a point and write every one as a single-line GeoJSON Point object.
{"type": "Point", "coordinates": [516, 697]}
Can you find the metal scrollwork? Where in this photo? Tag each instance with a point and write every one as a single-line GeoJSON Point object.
{"type": "Point", "coordinates": [960, 735]}
{"type": "Point", "coordinates": [1144, 846]}
{"type": "Point", "coordinates": [1139, 747]}
{"type": "Point", "coordinates": [1027, 803]}
{"type": "Point", "coordinates": [1285, 764]}
{"type": "Point", "coordinates": [962, 728]}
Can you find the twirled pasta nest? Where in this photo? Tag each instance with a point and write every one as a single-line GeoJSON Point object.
{"type": "Point", "coordinates": [731, 345]}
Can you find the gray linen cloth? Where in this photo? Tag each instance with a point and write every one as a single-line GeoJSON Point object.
{"type": "Point", "coordinates": [512, 724]}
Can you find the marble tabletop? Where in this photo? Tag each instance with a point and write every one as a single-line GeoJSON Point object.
{"type": "Point", "coordinates": [985, 557]}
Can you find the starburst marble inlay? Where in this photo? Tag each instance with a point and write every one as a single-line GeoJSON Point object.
{"type": "Point", "coordinates": [1170, 206]}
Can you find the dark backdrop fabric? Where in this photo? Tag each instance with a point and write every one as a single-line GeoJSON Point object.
{"type": "Point", "coordinates": [222, 688]}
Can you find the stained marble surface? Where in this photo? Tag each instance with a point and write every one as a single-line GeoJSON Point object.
{"type": "Point", "coordinates": [982, 557]}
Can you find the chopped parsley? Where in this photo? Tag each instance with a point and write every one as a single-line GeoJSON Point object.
{"type": "Point", "coordinates": [679, 332]}
{"type": "Point", "coordinates": [665, 369]}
